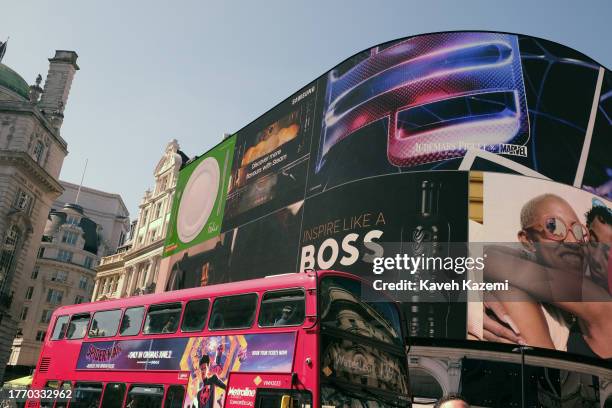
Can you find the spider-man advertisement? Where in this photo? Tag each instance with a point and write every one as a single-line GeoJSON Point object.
{"type": "Point", "coordinates": [154, 354]}
{"type": "Point", "coordinates": [210, 360]}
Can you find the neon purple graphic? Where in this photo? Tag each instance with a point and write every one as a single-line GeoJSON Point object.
{"type": "Point", "coordinates": [441, 94]}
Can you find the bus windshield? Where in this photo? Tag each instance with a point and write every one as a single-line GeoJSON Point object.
{"type": "Point", "coordinates": [362, 356]}
{"type": "Point", "coordinates": [343, 309]}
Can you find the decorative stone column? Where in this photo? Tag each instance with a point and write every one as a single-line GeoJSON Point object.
{"type": "Point", "coordinates": [150, 272]}
{"type": "Point", "coordinates": [121, 285]}
{"type": "Point", "coordinates": [94, 294]}
{"type": "Point", "coordinates": [133, 277]}
{"type": "Point", "coordinates": [454, 375]}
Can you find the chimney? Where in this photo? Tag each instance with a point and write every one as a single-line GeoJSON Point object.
{"type": "Point", "coordinates": [57, 86]}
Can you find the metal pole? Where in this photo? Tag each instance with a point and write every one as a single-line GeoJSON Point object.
{"type": "Point", "coordinates": [76, 200]}
{"type": "Point", "coordinates": [522, 349]}
{"type": "Point", "coordinates": [523, 377]}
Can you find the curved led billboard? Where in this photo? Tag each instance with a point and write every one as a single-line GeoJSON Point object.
{"type": "Point", "coordinates": [455, 146]}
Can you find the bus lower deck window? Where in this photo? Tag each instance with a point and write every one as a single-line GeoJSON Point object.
{"type": "Point", "coordinates": [66, 386]}
{"type": "Point", "coordinates": [174, 396]}
{"type": "Point", "coordinates": [86, 395]}
{"type": "Point", "coordinates": [51, 384]}
{"type": "Point", "coordinates": [145, 396]}
{"type": "Point", "coordinates": [113, 395]}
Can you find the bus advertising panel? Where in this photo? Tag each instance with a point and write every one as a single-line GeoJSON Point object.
{"type": "Point", "coordinates": [250, 352]}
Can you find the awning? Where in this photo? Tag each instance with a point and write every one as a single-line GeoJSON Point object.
{"type": "Point", "coordinates": [20, 382]}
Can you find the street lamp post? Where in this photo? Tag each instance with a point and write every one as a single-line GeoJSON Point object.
{"type": "Point", "coordinates": [522, 350]}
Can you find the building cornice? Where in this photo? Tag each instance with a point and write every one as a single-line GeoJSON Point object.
{"type": "Point", "coordinates": [143, 250]}
{"type": "Point", "coordinates": [24, 162]}
{"type": "Point", "coordinates": [110, 266]}
{"type": "Point", "coordinates": [59, 206]}
{"type": "Point", "coordinates": [98, 193]}
{"type": "Point", "coordinates": [129, 256]}
{"type": "Point", "coordinates": [27, 108]}
{"type": "Point", "coordinates": [64, 265]}
{"type": "Point", "coordinates": [154, 197]}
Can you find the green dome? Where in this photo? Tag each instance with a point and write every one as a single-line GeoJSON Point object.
{"type": "Point", "coordinates": [13, 81]}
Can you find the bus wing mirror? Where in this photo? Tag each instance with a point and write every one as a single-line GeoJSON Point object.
{"type": "Point", "coordinates": [285, 401]}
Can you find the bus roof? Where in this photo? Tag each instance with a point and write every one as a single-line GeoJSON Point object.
{"type": "Point", "coordinates": [305, 280]}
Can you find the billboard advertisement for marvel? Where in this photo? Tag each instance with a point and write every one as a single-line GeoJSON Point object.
{"type": "Point", "coordinates": [482, 145]}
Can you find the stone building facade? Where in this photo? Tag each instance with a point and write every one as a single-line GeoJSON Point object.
{"type": "Point", "coordinates": [76, 236]}
{"type": "Point", "coordinates": [32, 152]}
{"type": "Point", "coordinates": [134, 268]}
{"type": "Point", "coordinates": [107, 209]}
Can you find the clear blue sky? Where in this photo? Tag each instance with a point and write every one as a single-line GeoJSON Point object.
{"type": "Point", "coordinates": [192, 70]}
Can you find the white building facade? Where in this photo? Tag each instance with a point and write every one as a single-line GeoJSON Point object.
{"type": "Point", "coordinates": [133, 269]}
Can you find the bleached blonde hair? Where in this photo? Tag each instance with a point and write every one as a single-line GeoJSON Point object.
{"type": "Point", "coordinates": [530, 208]}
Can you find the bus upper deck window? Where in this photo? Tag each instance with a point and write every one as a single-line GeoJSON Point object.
{"type": "Point", "coordinates": [282, 308]}
{"type": "Point", "coordinates": [105, 323]}
{"type": "Point", "coordinates": [59, 331]}
{"type": "Point", "coordinates": [132, 320]}
{"type": "Point", "coordinates": [195, 315]}
{"type": "Point", "coordinates": [233, 312]}
{"type": "Point", "coordinates": [162, 318]}
{"type": "Point", "coordinates": [78, 326]}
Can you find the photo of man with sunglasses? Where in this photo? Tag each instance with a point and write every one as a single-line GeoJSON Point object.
{"type": "Point", "coordinates": [554, 302]}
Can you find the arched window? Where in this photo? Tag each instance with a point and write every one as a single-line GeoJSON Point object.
{"type": "Point", "coordinates": [8, 250]}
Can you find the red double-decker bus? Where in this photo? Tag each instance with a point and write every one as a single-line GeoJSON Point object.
{"type": "Point", "coordinates": [297, 340]}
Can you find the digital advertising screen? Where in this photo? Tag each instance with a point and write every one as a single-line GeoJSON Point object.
{"type": "Point", "coordinates": [467, 175]}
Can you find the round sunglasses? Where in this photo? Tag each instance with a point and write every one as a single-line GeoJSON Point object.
{"type": "Point", "coordinates": [556, 229]}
